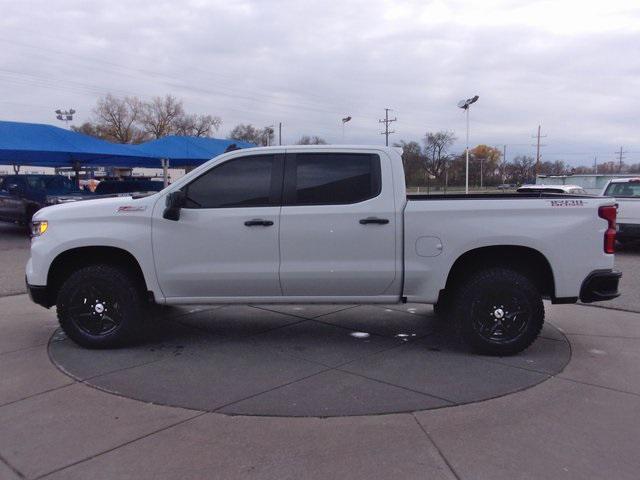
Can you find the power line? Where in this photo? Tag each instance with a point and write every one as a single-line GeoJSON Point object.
{"type": "Point", "coordinates": [387, 121]}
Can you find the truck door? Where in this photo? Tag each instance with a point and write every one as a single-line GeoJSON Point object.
{"type": "Point", "coordinates": [11, 203]}
{"type": "Point", "coordinates": [225, 243]}
{"type": "Point", "coordinates": [338, 225]}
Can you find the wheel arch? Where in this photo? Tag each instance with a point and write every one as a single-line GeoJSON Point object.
{"type": "Point", "coordinates": [526, 260]}
{"type": "Point", "coordinates": [69, 261]}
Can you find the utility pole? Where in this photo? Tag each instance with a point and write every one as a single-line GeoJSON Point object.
{"type": "Point", "coordinates": [595, 165]}
{"type": "Point", "coordinates": [620, 154]}
{"type": "Point", "coordinates": [280, 133]}
{"type": "Point", "coordinates": [538, 145]}
{"type": "Point", "coordinates": [504, 160]}
{"type": "Point", "coordinates": [386, 122]}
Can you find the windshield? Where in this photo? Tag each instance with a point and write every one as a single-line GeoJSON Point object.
{"type": "Point", "coordinates": [51, 183]}
{"type": "Point", "coordinates": [627, 190]}
{"type": "Point", "coordinates": [60, 183]}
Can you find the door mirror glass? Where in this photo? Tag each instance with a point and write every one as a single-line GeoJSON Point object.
{"type": "Point", "coordinates": [175, 201]}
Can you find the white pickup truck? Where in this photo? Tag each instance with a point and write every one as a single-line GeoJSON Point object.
{"type": "Point", "coordinates": [320, 224]}
{"type": "Point", "coordinates": [626, 191]}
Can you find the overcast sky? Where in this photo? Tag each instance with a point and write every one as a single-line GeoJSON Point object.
{"type": "Point", "coordinates": [572, 66]}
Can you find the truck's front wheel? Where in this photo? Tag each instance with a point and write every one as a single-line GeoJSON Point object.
{"type": "Point", "coordinates": [500, 311]}
{"type": "Point", "coordinates": [101, 306]}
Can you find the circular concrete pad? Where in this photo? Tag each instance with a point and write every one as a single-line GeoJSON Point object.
{"type": "Point", "coordinates": [316, 360]}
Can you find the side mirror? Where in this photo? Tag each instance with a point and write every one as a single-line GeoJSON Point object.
{"type": "Point", "coordinates": [13, 189]}
{"type": "Point", "coordinates": [175, 201]}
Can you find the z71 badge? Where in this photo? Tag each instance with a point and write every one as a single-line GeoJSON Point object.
{"type": "Point", "coordinates": [567, 203]}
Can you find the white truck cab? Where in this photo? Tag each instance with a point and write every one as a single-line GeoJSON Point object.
{"type": "Point", "coordinates": [626, 191]}
{"type": "Point", "coordinates": [320, 224]}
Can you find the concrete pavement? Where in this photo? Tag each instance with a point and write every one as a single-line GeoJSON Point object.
{"type": "Point", "coordinates": [581, 423]}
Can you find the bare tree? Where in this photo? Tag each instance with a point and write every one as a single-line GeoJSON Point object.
{"type": "Point", "coordinates": [160, 115]}
{"type": "Point", "coordinates": [116, 119]}
{"type": "Point", "coordinates": [307, 140]}
{"type": "Point", "coordinates": [522, 169]}
{"type": "Point", "coordinates": [251, 134]}
{"type": "Point", "coordinates": [413, 162]}
{"type": "Point", "coordinates": [436, 151]}
{"type": "Point", "coordinates": [196, 125]}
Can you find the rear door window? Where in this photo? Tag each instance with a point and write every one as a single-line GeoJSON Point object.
{"type": "Point", "coordinates": [332, 178]}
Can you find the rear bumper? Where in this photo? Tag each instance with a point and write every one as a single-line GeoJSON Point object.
{"type": "Point", "coordinates": [600, 285]}
{"type": "Point", "coordinates": [39, 294]}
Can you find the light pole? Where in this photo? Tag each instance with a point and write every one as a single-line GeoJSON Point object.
{"type": "Point", "coordinates": [268, 131]}
{"type": "Point", "coordinates": [464, 104]}
{"type": "Point", "coordinates": [65, 115]}
{"type": "Point", "coordinates": [344, 120]}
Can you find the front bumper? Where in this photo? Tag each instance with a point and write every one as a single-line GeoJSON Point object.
{"type": "Point", "coordinates": [600, 285]}
{"type": "Point", "coordinates": [39, 294]}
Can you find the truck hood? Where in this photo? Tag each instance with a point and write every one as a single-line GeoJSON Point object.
{"type": "Point", "coordinates": [97, 208]}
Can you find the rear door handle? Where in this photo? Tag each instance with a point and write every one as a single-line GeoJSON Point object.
{"type": "Point", "coordinates": [379, 221]}
{"type": "Point", "coordinates": [258, 222]}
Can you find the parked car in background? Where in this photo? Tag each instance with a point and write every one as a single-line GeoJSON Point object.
{"type": "Point", "coordinates": [321, 224]}
{"type": "Point", "coordinates": [627, 192]}
{"type": "Point", "coordinates": [23, 195]}
{"type": "Point", "coordinates": [128, 186]}
{"type": "Point", "coordinates": [569, 189]}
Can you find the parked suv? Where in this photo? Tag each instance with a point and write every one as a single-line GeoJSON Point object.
{"type": "Point", "coordinates": [23, 195]}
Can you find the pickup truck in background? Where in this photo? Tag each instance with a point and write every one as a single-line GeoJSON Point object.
{"type": "Point", "coordinates": [626, 191]}
{"type": "Point", "coordinates": [538, 188]}
{"type": "Point", "coordinates": [321, 224]}
{"type": "Point", "coordinates": [23, 195]}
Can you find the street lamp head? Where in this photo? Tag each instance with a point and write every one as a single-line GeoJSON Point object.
{"type": "Point", "coordinates": [464, 104]}
{"type": "Point", "coordinates": [346, 119]}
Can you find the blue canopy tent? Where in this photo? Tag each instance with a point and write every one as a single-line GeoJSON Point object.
{"type": "Point", "coordinates": [187, 151]}
{"type": "Point", "coordinates": [180, 151]}
{"type": "Point", "coordinates": [49, 146]}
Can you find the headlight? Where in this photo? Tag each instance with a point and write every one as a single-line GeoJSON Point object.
{"type": "Point", "coordinates": [39, 227]}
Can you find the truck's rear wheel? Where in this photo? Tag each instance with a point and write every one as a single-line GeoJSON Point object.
{"type": "Point", "coordinates": [499, 311]}
{"type": "Point", "coordinates": [101, 306]}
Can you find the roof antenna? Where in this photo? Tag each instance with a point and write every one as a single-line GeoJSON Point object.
{"type": "Point", "coordinates": [231, 148]}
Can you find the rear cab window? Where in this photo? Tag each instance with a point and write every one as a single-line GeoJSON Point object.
{"type": "Point", "coordinates": [623, 190]}
{"type": "Point", "coordinates": [331, 178]}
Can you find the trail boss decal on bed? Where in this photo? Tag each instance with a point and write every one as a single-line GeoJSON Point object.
{"type": "Point", "coordinates": [567, 203]}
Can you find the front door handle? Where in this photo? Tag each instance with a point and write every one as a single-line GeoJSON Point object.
{"type": "Point", "coordinates": [258, 222]}
{"type": "Point", "coordinates": [379, 221]}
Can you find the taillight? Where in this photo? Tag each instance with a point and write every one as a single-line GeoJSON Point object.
{"type": "Point", "coordinates": [609, 214]}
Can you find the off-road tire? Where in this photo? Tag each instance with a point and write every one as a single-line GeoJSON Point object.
{"type": "Point", "coordinates": [483, 303]}
{"type": "Point", "coordinates": [116, 293]}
